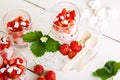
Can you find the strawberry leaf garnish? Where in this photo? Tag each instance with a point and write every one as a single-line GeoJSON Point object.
{"type": "Point", "coordinates": [41, 43]}
{"type": "Point", "coordinates": [51, 45]}
{"type": "Point", "coordinates": [37, 48]}
{"type": "Point", "coordinates": [32, 36]}
{"type": "Point", "coordinates": [109, 70]}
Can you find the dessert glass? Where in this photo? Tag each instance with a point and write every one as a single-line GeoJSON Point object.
{"type": "Point", "coordinates": [64, 16]}
{"type": "Point", "coordinates": [17, 22]}
{"type": "Point", "coordinates": [13, 66]}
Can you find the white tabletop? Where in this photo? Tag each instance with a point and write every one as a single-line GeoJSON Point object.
{"type": "Point", "coordinates": [109, 49]}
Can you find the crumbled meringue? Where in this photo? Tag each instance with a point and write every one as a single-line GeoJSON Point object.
{"type": "Point", "coordinates": [94, 4]}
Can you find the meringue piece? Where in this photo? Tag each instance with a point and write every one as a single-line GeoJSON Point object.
{"type": "Point", "coordinates": [101, 14]}
{"type": "Point", "coordinates": [94, 4]}
{"type": "Point", "coordinates": [85, 13]}
{"type": "Point", "coordinates": [16, 25]}
{"type": "Point", "coordinates": [10, 69]}
{"type": "Point", "coordinates": [65, 22]}
{"type": "Point", "coordinates": [92, 20]}
{"type": "Point", "coordinates": [19, 71]}
{"type": "Point", "coordinates": [62, 17]}
{"type": "Point", "coordinates": [23, 23]}
{"type": "Point", "coordinates": [112, 12]}
{"type": "Point", "coordinates": [2, 70]}
{"type": "Point", "coordinates": [1, 60]}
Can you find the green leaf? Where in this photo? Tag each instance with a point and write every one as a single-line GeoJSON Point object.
{"type": "Point", "coordinates": [116, 68]}
{"type": "Point", "coordinates": [52, 45]}
{"type": "Point", "coordinates": [102, 73]}
{"type": "Point", "coordinates": [32, 36]}
{"type": "Point", "coordinates": [38, 48]}
{"type": "Point", "coordinates": [109, 70]}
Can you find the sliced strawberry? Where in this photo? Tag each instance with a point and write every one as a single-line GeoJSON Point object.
{"type": "Point", "coordinates": [5, 61]}
{"type": "Point", "coordinates": [19, 59]}
{"type": "Point", "coordinates": [64, 11]}
{"type": "Point", "coordinates": [13, 74]}
{"type": "Point", "coordinates": [12, 61]}
{"type": "Point", "coordinates": [71, 54]}
{"type": "Point", "coordinates": [21, 67]}
{"type": "Point", "coordinates": [41, 78]}
{"type": "Point", "coordinates": [72, 13]}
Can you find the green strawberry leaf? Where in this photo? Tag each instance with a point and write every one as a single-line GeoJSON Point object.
{"type": "Point", "coordinates": [38, 48]}
{"type": "Point", "coordinates": [109, 70]}
{"type": "Point", "coordinates": [32, 36]}
{"type": "Point", "coordinates": [51, 44]}
{"type": "Point", "coordinates": [102, 73]}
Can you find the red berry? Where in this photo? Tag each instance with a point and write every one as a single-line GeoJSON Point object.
{"type": "Point", "coordinates": [74, 45]}
{"type": "Point", "coordinates": [38, 69]}
{"type": "Point", "coordinates": [5, 61]}
{"type": "Point", "coordinates": [71, 54]}
{"type": "Point", "coordinates": [64, 49]}
{"type": "Point", "coordinates": [12, 61]}
{"type": "Point", "coordinates": [41, 78]}
{"type": "Point", "coordinates": [50, 75]}
{"type": "Point", "coordinates": [19, 59]}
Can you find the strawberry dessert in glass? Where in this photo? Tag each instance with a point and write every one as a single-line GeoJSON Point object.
{"type": "Point", "coordinates": [17, 22]}
{"type": "Point", "coordinates": [65, 17]}
{"type": "Point", "coordinates": [13, 65]}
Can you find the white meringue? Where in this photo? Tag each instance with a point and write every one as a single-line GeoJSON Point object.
{"type": "Point", "coordinates": [94, 4]}
{"type": "Point", "coordinates": [101, 14]}
{"type": "Point", "coordinates": [112, 12]}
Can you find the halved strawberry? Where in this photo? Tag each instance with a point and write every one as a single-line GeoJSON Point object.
{"type": "Point", "coordinates": [19, 59]}
{"type": "Point", "coordinates": [13, 74]}
{"type": "Point", "coordinates": [64, 11]}
{"type": "Point", "coordinates": [12, 61]}
{"type": "Point", "coordinates": [5, 61]}
{"type": "Point", "coordinates": [21, 67]}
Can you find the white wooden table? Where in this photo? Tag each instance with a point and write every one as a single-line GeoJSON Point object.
{"type": "Point", "coordinates": [110, 49]}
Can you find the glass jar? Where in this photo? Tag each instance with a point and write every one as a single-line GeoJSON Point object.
{"type": "Point", "coordinates": [65, 17]}
{"type": "Point", "coordinates": [13, 66]}
{"type": "Point", "coordinates": [17, 22]}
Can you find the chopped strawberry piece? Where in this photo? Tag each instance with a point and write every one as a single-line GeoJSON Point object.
{"type": "Point", "coordinates": [5, 61]}
{"type": "Point", "coordinates": [12, 61]}
{"type": "Point", "coordinates": [64, 11]}
{"type": "Point", "coordinates": [21, 67]}
{"type": "Point", "coordinates": [19, 59]}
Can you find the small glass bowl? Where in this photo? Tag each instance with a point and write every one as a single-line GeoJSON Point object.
{"type": "Point", "coordinates": [17, 22]}
{"type": "Point", "coordinates": [4, 41]}
{"type": "Point", "coordinates": [65, 34]}
{"type": "Point", "coordinates": [18, 67]}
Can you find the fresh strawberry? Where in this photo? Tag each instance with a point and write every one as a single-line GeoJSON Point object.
{"type": "Point", "coordinates": [12, 61]}
{"type": "Point", "coordinates": [50, 75]}
{"type": "Point", "coordinates": [5, 61]}
{"type": "Point", "coordinates": [19, 59]}
{"type": "Point", "coordinates": [21, 67]}
{"type": "Point", "coordinates": [64, 11]}
{"type": "Point", "coordinates": [74, 45]}
{"type": "Point", "coordinates": [41, 78]}
{"type": "Point", "coordinates": [13, 74]}
{"type": "Point", "coordinates": [71, 54]}
{"type": "Point", "coordinates": [72, 13]}
{"type": "Point", "coordinates": [64, 49]}
{"type": "Point", "coordinates": [38, 69]}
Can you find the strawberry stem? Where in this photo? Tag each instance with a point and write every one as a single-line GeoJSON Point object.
{"type": "Point", "coordinates": [49, 32]}
{"type": "Point", "coordinates": [34, 61]}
